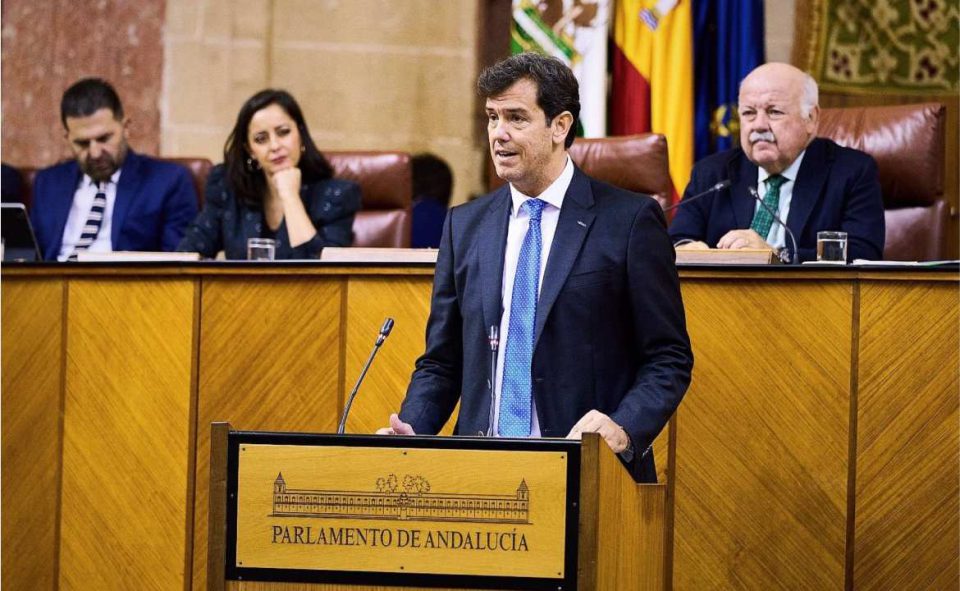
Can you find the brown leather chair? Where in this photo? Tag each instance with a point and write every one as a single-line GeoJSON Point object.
{"type": "Point", "coordinates": [386, 182]}
{"type": "Point", "coordinates": [907, 141]}
{"type": "Point", "coordinates": [636, 163]}
{"type": "Point", "coordinates": [199, 169]}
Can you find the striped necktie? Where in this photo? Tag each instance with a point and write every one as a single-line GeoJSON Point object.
{"type": "Point", "coordinates": [762, 219]}
{"type": "Point", "coordinates": [94, 222]}
{"type": "Point", "coordinates": [516, 392]}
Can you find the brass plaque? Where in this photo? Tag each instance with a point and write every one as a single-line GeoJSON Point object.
{"type": "Point", "coordinates": [473, 512]}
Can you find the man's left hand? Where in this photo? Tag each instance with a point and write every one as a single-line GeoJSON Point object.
{"type": "Point", "coordinates": [597, 422]}
{"type": "Point", "coordinates": [743, 239]}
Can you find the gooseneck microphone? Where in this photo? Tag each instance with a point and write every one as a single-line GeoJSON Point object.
{"type": "Point", "coordinates": [384, 333]}
{"type": "Point", "coordinates": [717, 187]}
{"type": "Point", "coordinates": [494, 340]}
{"type": "Point", "coordinates": [794, 259]}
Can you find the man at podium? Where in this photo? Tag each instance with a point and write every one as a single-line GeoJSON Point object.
{"type": "Point", "coordinates": [576, 278]}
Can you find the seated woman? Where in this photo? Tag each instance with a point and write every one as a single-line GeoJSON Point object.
{"type": "Point", "coordinates": [274, 183]}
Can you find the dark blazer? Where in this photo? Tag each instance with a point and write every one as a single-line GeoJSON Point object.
{"type": "Point", "coordinates": [836, 188]}
{"type": "Point", "coordinates": [155, 202]}
{"type": "Point", "coordinates": [610, 328]}
{"type": "Point", "coordinates": [226, 222]}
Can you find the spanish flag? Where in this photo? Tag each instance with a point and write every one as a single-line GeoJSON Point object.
{"type": "Point", "coordinates": [653, 77]}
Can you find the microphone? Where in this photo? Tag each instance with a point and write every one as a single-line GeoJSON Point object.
{"type": "Point", "coordinates": [792, 259]}
{"type": "Point", "coordinates": [384, 333]}
{"type": "Point", "coordinates": [494, 340]}
{"type": "Point", "coordinates": [717, 187]}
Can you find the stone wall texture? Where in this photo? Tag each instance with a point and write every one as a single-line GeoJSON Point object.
{"type": "Point", "coordinates": [368, 74]}
{"type": "Point", "coordinates": [49, 45]}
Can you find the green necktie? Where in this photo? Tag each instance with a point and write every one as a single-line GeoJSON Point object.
{"type": "Point", "coordinates": [762, 220]}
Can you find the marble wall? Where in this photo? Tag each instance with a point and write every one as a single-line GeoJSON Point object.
{"type": "Point", "coordinates": [48, 45]}
{"type": "Point", "coordinates": [369, 74]}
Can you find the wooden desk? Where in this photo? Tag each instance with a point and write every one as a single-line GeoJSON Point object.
{"type": "Point", "coordinates": [816, 448]}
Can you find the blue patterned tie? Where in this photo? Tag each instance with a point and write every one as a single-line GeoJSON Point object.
{"type": "Point", "coordinates": [516, 393]}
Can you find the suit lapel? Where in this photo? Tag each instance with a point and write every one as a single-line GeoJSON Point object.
{"type": "Point", "coordinates": [744, 174]}
{"type": "Point", "coordinates": [65, 190]}
{"type": "Point", "coordinates": [811, 177]}
{"type": "Point", "coordinates": [492, 243]}
{"type": "Point", "coordinates": [572, 229]}
{"type": "Point", "coordinates": [127, 188]}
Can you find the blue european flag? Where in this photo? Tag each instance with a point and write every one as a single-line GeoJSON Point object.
{"type": "Point", "coordinates": [727, 45]}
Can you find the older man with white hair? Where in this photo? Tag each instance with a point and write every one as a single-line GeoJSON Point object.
{"type": "Point", "coordinates": [812, 183]}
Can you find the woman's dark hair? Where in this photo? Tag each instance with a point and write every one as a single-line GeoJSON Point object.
{"type": "Point", "coordinates": [557, 88]}
{"type": "Point", "coordinates": [247, 182]}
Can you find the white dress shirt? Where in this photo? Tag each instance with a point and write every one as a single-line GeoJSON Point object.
{"type": "Point", "coordinates": [80, 210]}
{"type": "Point", "coordinates": [777, 236]}
{"type": "Point", "coordinates": [516, 230]}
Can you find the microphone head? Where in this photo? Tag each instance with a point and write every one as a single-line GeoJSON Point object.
{"type": "Point", "coordinates": [387, 327]}
{"type": "Point", "coordinates": [753, 192]}
{"type": "Point", "coordinates": [725, 183]}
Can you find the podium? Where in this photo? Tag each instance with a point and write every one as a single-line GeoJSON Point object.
{"type": "Point", "coordinates": [296, 511]}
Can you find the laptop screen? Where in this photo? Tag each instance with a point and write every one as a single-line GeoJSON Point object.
{"type": "Point", "coordinates": [19, 242]}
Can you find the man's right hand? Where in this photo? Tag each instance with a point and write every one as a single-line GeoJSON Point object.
{"type": "Point", "coordinates": [397, 427]}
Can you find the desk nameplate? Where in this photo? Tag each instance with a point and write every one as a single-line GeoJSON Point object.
{"type": "Point", "coordinates": [343, 507]}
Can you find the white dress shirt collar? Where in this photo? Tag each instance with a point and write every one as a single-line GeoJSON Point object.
{"type": "Point", "coordinates": [553, 194]}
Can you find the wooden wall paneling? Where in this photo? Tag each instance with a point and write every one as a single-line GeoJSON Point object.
{"type": "Point", "coordinates": [32, 337]}
{"type": "Point", "coordinates": [908, 469]}
{"type": "Point", "coordinates": [269, 360]}
{"type": "Point", "coordinates": [369, 301]}
{"type": "Point", "coordinates": [126, 435]}
{"type": "Point", "coordinates": [761, 468]}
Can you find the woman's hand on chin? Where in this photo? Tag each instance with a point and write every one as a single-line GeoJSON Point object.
{"type": "Point", "coordinates": [286, 182]}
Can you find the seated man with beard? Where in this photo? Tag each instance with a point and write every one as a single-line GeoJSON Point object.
{"type": "Point", "coordinates": [109, 198]}
{"type": "Point", "coordinates": [812, 183]}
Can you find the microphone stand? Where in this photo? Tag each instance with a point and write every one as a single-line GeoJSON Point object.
{"type": "Point", "coordinates": [494, 339]}
{"type": "Point", "coordinates": [384, 333]}
{"type": "Point", "coordinates": [795, 259]}
{"type": "Point", "coordinates": [717, 187]}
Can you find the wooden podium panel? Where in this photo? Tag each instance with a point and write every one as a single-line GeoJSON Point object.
{"type": "Point", "coordinates": [761, 482]}
{"type": "Point", "coordinates": [908, 441]}
{"type": "Point", "coordinates": [269, 359]}
{"type": "Point", "coordinates": [32, 338]}
{"type": "Point", "coordinates": [125, 492]}
{"type": "Point", "coordinates": [421, 511]}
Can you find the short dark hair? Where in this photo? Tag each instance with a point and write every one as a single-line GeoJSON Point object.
{"type": "Point", "coordinates": [86, 97]}
{"type": "Point", "coordinates": [249, 184]}
{"type": "Point", "coordinates": [557, 87]}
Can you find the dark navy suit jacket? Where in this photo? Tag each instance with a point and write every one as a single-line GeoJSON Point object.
{"type": "Point", "coordinates": [836, 188]}
{"type": "Point", "coordinates": [226, 222]}
{"type": "Point", "coordinates": [610, 327]}
{"type": "Point", "coordinates": [155, 202]}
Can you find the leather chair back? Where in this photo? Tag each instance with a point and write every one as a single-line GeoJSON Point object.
{"type": "Point", "coordinates": [199, 170]}
{"type": "Point", "coordinates": [637, 163]}
{"type": "Point", "coordinates": [386, 181]}
{"type": "Point", "coordinates": [907, 141]}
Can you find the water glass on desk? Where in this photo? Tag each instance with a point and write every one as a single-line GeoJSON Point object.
{"type": "Point", "coordinates": [261, 249]}
{"type": "Point", "coordinates": [832, 247]}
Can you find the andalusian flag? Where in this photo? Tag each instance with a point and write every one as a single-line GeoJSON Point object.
{"type": "Point", "coordinates": [653, 77]}
{"type": "Point", "coordinates": [576, 33]}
